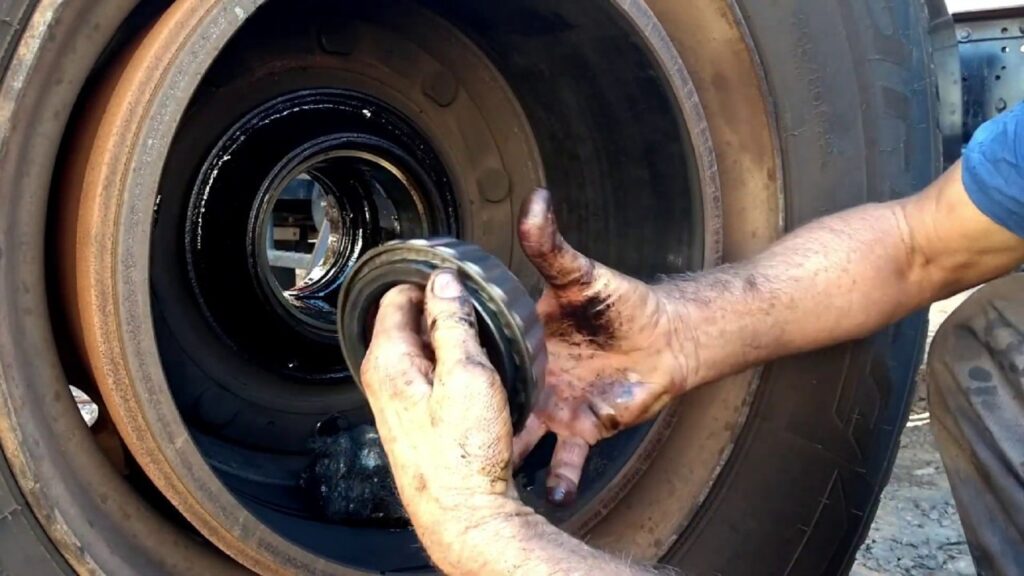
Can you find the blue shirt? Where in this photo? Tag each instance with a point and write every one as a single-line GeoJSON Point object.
{"type": "Point", "coordinates": [993, 169]}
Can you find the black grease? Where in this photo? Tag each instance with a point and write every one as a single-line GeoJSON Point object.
{"type": "Point", "coordinates": [987, 391]}
{"type": "Point", "coordinates": [591, 319]}
{"type": "Point", "coordinates": [979, 374]}
{"type": "Point", "coordinates": [349, 480]}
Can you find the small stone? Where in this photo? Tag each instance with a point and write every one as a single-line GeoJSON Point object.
{"type": "Point", "coordinates": [963, 565]}
{"type": "Point", "coordinates": [89, 410]}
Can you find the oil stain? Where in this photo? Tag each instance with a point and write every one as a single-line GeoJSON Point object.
{"type": "Point", "coordinates": [350, 481]}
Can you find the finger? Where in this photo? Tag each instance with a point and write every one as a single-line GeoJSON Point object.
{"type": "Point", "coordinates": [557, 262]}
{"type": "Point", "coordinates": [632, 402]}
{"type": "Point", "coordinates": [606, 416]}
{"type": "Point", "coordinates": [566, 469]}
{"type": "Point", "coordinates": [468, 400]}
{"type": "Point", "coordinates": [396, 351]}
{"type": "Point", "coordinates": [397, 326]}
{"type": "Point", "coordinates": [452, 322]}
{"type": "Point", "coordinates": [524, 442]}
{"type": "Point", "coordinates": [424, 334]}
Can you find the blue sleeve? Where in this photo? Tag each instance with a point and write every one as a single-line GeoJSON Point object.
{"type": "Point", "coordinates": [993, 169]}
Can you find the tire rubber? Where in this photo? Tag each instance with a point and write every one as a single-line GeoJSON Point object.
{"type": "Point", "coordinates": [24, 546]}
{"type": "Point", "coordinates": [855, 96]}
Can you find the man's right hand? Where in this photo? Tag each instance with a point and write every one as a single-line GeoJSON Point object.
{"type": "Point", "coordinates": [618, 351]}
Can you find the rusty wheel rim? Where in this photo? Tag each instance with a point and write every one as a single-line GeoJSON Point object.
{"type": "Point", "coordinates": [137, 81]}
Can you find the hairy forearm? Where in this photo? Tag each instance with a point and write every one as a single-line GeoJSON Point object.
{"type": "Point", "coordinates": [833, 280]}
{"type": "Point", "coordinates": [839, 278]}
{"type": "Point", "coordinates": [521, 542]}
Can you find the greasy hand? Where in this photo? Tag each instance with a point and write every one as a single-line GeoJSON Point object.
{"type": "Point", "coordinates": [615, 350]}
{"type": "Point", "coordinates": [441, 412]}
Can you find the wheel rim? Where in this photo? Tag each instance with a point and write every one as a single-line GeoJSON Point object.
{"type": "Point", "coordinates": [281, 552]}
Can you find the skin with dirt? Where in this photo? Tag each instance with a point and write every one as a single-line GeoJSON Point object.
{"type": "Point", "coordinates": [606, 371]}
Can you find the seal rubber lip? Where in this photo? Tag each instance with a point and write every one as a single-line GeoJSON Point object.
{"type": "Point", "coordinates": [510, 330]}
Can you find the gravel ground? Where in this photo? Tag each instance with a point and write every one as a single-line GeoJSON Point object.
{"type": "Point", "coordinates": [916, 530]}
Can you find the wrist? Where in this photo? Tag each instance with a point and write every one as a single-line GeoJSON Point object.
{"type": "Point", "coordinates": [454, 535]}
{"type": "Point", "coordinates": [682, 357]}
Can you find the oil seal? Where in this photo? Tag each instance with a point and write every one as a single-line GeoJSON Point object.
{"type": "Point", "coordinates": [510, 330]}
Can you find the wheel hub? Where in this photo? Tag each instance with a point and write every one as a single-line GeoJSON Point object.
{"type": "Point", "coordinates": [308, 227]}
{"type": "Point", "coordinates": [288, 200]}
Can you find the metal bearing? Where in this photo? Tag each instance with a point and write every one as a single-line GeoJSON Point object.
{"type": "Point", "coordinates": [510, 330]}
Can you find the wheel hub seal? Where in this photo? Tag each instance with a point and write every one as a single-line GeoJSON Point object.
{"type": "Point", "coordinates": [510, 330]}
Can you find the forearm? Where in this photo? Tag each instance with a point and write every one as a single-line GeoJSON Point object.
{"type": "Point", "coordinates": [839, 278]}
{"type": "Point", "coordinates": [833, 280]}
{"type": "Point", "coordinates": [521, 542]}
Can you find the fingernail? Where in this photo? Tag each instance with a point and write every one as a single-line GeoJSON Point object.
{"type": "Point", "coordinates": [561, 494]}
{"type": "Point", "coordinates": [539, 204]}
{"type": "Point", "coordinates": [446, 285]}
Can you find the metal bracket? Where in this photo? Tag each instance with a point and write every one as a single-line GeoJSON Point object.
{"type": "Point", "coordinates": [992, 65]}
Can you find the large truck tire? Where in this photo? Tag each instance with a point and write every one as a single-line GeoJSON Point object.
{"type": "Point", "coordinates": [855, 93]}
{"type": "Point", "coordinates": [164, 165]}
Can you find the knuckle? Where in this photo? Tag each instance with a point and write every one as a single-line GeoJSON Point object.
{"type": "Point", "coordinates": [393, 370]}
{"type": "Point", "coordinates": [473, 372]}
{"type": "Point", "coordinates": [590, 434]}
{"type": "Point", "coordinates": [456, 319]}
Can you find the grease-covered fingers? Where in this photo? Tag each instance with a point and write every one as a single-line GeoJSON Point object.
{"type": "Point", "coordinates": [566, 468]}
{"type": "Point", "coordinates": [558, 262]}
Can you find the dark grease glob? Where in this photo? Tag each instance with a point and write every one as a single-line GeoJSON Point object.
{"type": "Point", "coordinates": [590, 318]}
{"type": "Point", "coordinates": [350, 481]}
{"type": "Point", "coordinates": [979, 374]}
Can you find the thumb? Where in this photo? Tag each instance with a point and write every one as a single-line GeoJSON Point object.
{"type": "Point", "coordinates": [468, 399]}
{"type": "Point", "coordinates": [451, 320]}
{"type": "Point", "coordinates": [560, 264]}
{"type": "Point", "coordinates": [464, 374]}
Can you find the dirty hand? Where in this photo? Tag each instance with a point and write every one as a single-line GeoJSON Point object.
{"type": "Point", "coordinates": [441, 412]}
{"type": "Point", "coordinates": [616, 350]}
